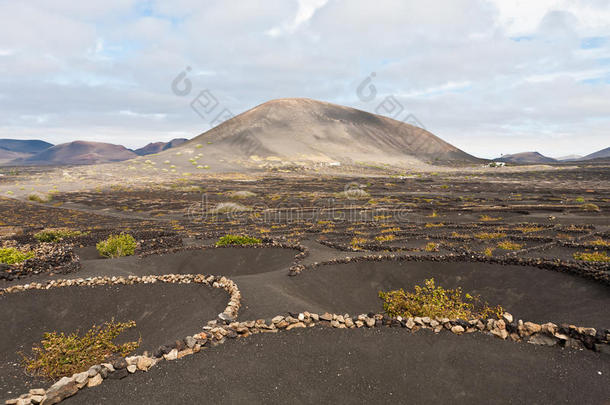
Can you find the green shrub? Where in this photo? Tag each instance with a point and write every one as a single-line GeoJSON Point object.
{"type": "Point", "coordinates": [508, 245]}
{"type": "Point", "coordinates": [39, 198]}
{"type": "Point", "coordinates": [117, 246]}
{"type": "Point", "coordinates": [62, 355]}
{"type": "Point", "coordinates": [592, 257]}
{"type": "Point", "coordinates": [55, 235]}
{"type": "Point", "coordinates": [237, 240]}
{"type": "Point", "coordinates": [433, 301]}
{"type": "Point", "coordinates": [12, 255]}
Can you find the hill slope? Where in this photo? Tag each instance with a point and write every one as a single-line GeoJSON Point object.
{"type": "Point", "coordinates": [304, 130]}
{"type": "Point", "coordinates": [526, 157]}
{"type": "Point", "coordinates": [78, 153]}
{"type": "Point", "coordinates": [156, 147]}
{"type": "Point", "coordinates": [24, 146]}
{"type": "Point", "coordinates": [604, 153]}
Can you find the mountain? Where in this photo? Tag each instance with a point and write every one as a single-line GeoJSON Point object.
{"type": "Point", "coordinates": [526, 157]}
{"type": "Point", "coordinates": [156, 147]}
{"type": "Point", "coordinates": [569, 158]}
{"type": "Point", "coordinates": [604, 153]}
{"type": "Point", "coordinates": [306, 131]}
{"type": "Point", "coordinates": [24, 146]}
{"type": "Point", "coordinates": [78, 153]}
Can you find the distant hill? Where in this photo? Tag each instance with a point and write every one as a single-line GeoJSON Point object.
{"type": "Point", "coordinates": [569, 158]}
{"type": "Point", "coordinates": [156, 147]}
{"type": "Point", "coordinates": [526, 157]}
{"type": "Point", "coordinates": [600, 154]}
{"type": "Point", "coordinates": [24, 146]}
{"type": "Point", "coordinates": [78, 153]}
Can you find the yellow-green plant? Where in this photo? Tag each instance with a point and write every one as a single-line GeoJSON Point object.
{"type": "Point", "coordinates": [56, 235]}
{"type": "Point", "coordinates": [117, 246]}
{"type": "Point", "coordinates": [489, 235]}
{"type": "Point", "coordinates": [508, 245]}
{"type": "Point", "coordinates": [435, 301]}
{"type": "Point", "coordinates": [589, 207]}
{"type": "Point", "coordinates": [11, 255]}
{"type": "Point", "coordinates": [592, 257]}
{"type": "Point", "coordinates": [237, 240]}
{"type": "Point", "coordinates": [431, 247]}
{"type": "Point", "coordinates": [61, 355]}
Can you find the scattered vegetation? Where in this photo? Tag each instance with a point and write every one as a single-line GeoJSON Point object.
{"type": "Point", "coordinates": [431, 247]}
{"type": "Point", "coordinates": [487, 218]}
{"type": "Point", "coordinates": [61, 355]}
{"type": "Point", "coordinates": [11, 255]}
{"type": "Point", "coordinates": [508, 245]}
{"type": "Point", "coordinates": [435, 225]}
{"type": "Point", "coordinates": [117, 246]}
{"type": "Point", "coordinates": [56, 235]}
{"type": "Point", "coordinates": [237, 240]}
{"type": "Point", "coordinates": [599, 242]}
{"type": "Point", "coordinates": [488, 252]}
{"type": "Point", "coordinates": [228, 208]}
{"type": "Point", "coordinates": [489, 235]}
{"type": "Point", "coordinates": [39, 198]}
{"type": "Point", "coordinates": [529, 228]}
{"type": "Point", "coordinates": [435, 301]}
{"type": "Point", "coordinates": [356, 242]}
{"type": "Point", "coordinates": [592, 257]}
{"type": "Point", "coordinates": [385, 238]}
{"type": "Point", "coordinates": [589, 207]}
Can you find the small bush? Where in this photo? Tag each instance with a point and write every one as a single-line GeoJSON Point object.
{"type": "Point", "coordinates": [237, 240]}
{"type": "Point", "coordinates": [433, 301]}
{"type": "Point", "coordinates": [356, 242]}
{"type": "Point", "coordinates": [117, 246]}
{"type": "Point", "coordinates": [39, 198]}
{"type": "Point", "coordinates": [592, 257]}
{"type": "Point", "coordinates": [11, 255]}
{"type": "Point", "coordinates": [489, 235]}
{"type": "Point", "coordinates": [431, 247]}
{"type": "Point", "coordinates": [487, 218]}
{"type": "Point", "coordinates": [589, 207]}
{"type": "Point", "coordinates": [488, 252]}
{"type": "Point", "coordinates": [55, 235]}
{"type": "Point", "coordinates": [385, 238]}
{"type": "Point", "coordinates": [435, 225]}
{"type": "Point", "coordinates": [507, 245]}
{"type": "Point", "coordinates": [529, 229]}
{"type": "Point", "coordinates": [62, 355]}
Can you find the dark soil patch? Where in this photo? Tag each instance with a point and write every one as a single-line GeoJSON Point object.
{"type": "Point", "coordinates": [320, 365]}
{"type": "Point", "coordinates": [163, 313]}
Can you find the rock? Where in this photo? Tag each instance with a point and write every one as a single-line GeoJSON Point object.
{"type": "Point", "coordinates": [190, 341]}
{"type": "Point", "coordinates": [36, 399]}
{"type": "Point", "coordinates": [103, 372]}
{"type": "Point", "coordinates": [543, 339]}
{"type": "Point", "coordinates": [62, 389]}
{"type": "Point", "coordinates": [144, 363]}
{"type": "Point", "coordinates": [530, 328]}
{"type": "Point", "coordinates": [282, 324]}
{"type": "Point", "coordinates": [501, 333]}
{"type": "Point", "coordinates": [410, 323]}
{"type": "Point", "coordinates": [297, 325]}
{"type": "Point", "coordinates": [326, 317]}
{"type": "Point", "coordinates": [172, 355]}
{"type": "Point", "coordinates": [226, 317]}
{"type": "Point", "coordinates": [81, 379]}
{"type": "Point", "coordinates": [108, 366]}
{"type": "Point", "coordinates": [37, 391]}
{"type": "Point", "coordinates": [508, 318]}
{"type": "Point", "coordinates": [370, 322]}
{"type": "Point", "coordinates": [457, 329]}
{"type": "Point", "coordinates": [132, 368]}
{"type": "Point", "coordinates": [95, 381]}
{"type": "Point", "coordinates": [184, 352]}
{"type": "Point", "coordinates": [119, 363]}
{"type": "Point", "coordinates": [349, 323]}
{"type": "Point", "coordinates": [93, 370]}
{"type": "Point", "coordinates": [277, 319]}
{"type": "Point", "coordinates": [118, 374]}
{"type": "Point", "coordinates": [334, 323]}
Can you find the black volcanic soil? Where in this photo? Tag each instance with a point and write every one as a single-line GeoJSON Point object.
{"type": "Point", "coordinates": [320, 365]}
{"type": "Point", "coordinates": [163, 312]}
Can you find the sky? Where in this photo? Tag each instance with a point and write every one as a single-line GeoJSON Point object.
{"type": "Point", "coordinates": [489, 76]}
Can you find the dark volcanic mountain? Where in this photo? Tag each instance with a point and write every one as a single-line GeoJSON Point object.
{"type": "Point", "coordinates": [600, 154]}
{"type": "Point", "coordinates": [79, 153]}
{"type": "Point", "coordinates": [526, 157]}
{"type": "Point", "coordinates": [156, 147]}
{"type": "Point", "coordinates": [304, 130]}
{"type": "Point", "coordinates": [24, 146]}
